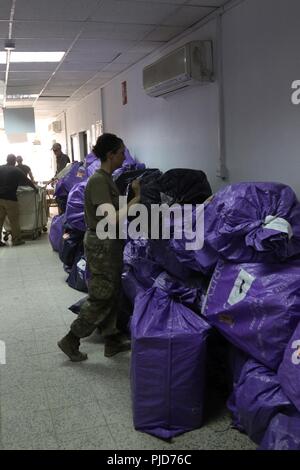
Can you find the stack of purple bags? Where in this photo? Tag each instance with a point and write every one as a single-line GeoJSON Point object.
{"type": "Point", "coordinates": [169, 337]}
{"type": "Point", "coordinates": [254, 301]}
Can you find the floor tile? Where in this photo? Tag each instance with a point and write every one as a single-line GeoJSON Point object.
{"type": "Point", "coordinates": [35, 399]}
{"type": "Point", "coordinates": [27, 423]}
{"type": "Point", "coordinates": [63, 394]}
{"type": "Point", "coordinates": [128, 439]}
{"type": "Point", "coordinates": [98, 438]}
{"type": "Point", "coordinates": [78, 417]}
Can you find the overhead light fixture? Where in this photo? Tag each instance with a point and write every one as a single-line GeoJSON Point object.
{"type": "Point", "coordinates": [32, 56]}
{"type": "Point", "coordinates": [22, 97]}
{"type": "Point", "coordinates": [9, 45]}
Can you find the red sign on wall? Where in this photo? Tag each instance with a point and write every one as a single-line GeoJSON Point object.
{"type": "Point", "coordinates": [124, 92]}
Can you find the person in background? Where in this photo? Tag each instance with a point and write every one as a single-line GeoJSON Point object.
{"type": "Point", "coordinates": [104, 257]}
{"type": "Point", "coordinates": [61, 159]}
{"type": "Point", "coordinates": [24, 168]}
{"type": "Point", "coordinates": [10, 178]}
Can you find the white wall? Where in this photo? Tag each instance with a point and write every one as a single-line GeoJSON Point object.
{"type": "Point", "coordinates": [83, 116]}
{"type": "Point", "coordinates": [178, 131]}
{"type": "Point", "coordinates": [261, 60]}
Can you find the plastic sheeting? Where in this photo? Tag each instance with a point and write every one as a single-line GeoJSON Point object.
{"type": "Point", "coordinates": [282, 433]}
{"type": "Point", "coordinates": [256, 307]}
{"type": "Point", "coordinates": [257, 397]}
{"type": "Point", "coordinates": [75, 308]}
{"type": "Point", "coordinates": [254, 222]}
{"type": "Point", "coordinates": [163, 254]}
{"type": "Point", "coordinates": [89, 159]}
{"type": "Point", "coordinates": [289, 370]}
{"type": "Point", "coordinates": [204, 259]}
{"type": "Point", "coordinates": [167, 363]}
{"type": "Point", "coordinates": [78, 276]}
{"type": "Point", "coordinates": [56, 231]}
{"type": "Point", "coordinates": [124, 179]}
{"type": "Point", "coordinates": [74, 176]}
{"type": "Point", "coordinates": [140, 270]}
{"type": "Point", "coordinates": [181, 186]}
{"type": "Point", "coordinates": [71, 247]}
{"type": "Point", "coordinates": [75, 207]}
{"type": "Point", "coordinates": [93, 167]}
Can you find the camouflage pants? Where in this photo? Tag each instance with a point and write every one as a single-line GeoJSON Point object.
{"type": "Point", "coordinates": [100, 310]}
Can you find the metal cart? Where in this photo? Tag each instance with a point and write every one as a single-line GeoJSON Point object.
{"type": "Point", "coordinates": [32, 213]}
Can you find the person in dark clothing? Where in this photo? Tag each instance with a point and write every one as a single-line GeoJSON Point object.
{"type": "Point", "coordinates": [104, 257]}
{"type": "Point", "coordinates": [24, 168]}
{"type": "Point", "coordinates": [10, 178]}
{"type": "Point", "coordinates": [61, 159]}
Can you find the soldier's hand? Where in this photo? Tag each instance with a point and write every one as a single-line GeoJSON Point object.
{"type": "Point", "coordinates": [136, 187]}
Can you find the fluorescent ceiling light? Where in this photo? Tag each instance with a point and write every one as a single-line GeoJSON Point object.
{"type": "Point", "coordinates": [21, 97]}
{"type": "Point", "coordinates": [32, 56]}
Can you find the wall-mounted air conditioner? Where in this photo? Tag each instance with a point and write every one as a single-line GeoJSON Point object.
{"type": "Point", "coordinates": [55, 127]}
{"type": "Point", "coordinates": [191, 64]}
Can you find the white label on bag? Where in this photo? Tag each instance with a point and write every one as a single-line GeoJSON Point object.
{"type": "Point", "coordinates": [81, 264]}
{"type": "Point", "coordinates": [272, 222]}
{"type": "Point", "coordinates": [296, 354]}
{"type": "Point", "coordinates": [241, 286]}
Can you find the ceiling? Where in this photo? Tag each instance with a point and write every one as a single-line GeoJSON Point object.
{"type": "Point", "coordinates": [101, 39]}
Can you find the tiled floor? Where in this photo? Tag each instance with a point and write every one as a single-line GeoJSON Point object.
{"type": "Point", "coordinates": [47, 402]}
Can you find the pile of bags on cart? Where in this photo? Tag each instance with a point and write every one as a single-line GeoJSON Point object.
{"type": "Point", "coordinates": [251, 261]}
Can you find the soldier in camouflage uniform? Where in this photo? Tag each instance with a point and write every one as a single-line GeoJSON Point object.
{"type": "Point", "coordinates": [104, 257]}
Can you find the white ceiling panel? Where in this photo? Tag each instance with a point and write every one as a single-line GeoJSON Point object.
{"type": "Point", "coordinates": [101, 75]}
{"type": "Point", "coordinates": [164, 33]}
{"type": "Point", "coordinates": [4, 25]}
{"type": "Point", "coordinates": [28, 75]}
{"type": "Point", "coordinates": [33, 67]}
{"type": "Point", "coordinates": [99, 56]}
{"type": "Point", "coordinates": [187, 15]}
{"type": "Point", "coordinates": [207, 3]}
{"type": "Point", "coordinates": [54, 10]}
{"type": "Point", "coordinates": [5, 7]}
{"type": "Point", "coordinates": [120, 11]}
{"type": "Point", "coordinates": [50, 99]}
{"type": "Point", "coordinates": [61, 90]}
{"type": "Point", "coordinates": [146, 46]}
{"type": "Point", "coordinates": [114, 67]}
{"type": "Point", "coordinates": [77, 66]}
{"type": "Point", "coordinates": [38, 84]}
{"type": "Point", "coordinates": [129, 57]}
{"type": "Point", "coordinates": [107, 31]}
{"type": "Point", "coordinates": [71, 85]}
{"type": "Point", "coordinates": [96, 45]}
{"type": "Point", "coordinates": [67, 75]}
{"type": "Point", "coordinates": [22, 90]}
{"type": "Point", "coordinates": [171, 2]}
{"type": "Point", "coordinates": [47, 29]}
